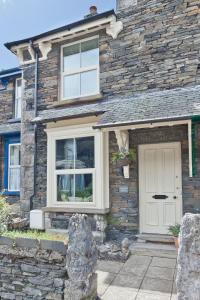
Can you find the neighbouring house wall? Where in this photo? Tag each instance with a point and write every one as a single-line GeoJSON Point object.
{"type": "Point", "coordinates": [7, 100]}
{"type": "Point", "coordinates": [124, 193]}
{"type": "Point", "coordinates": [7, 113]}
{"type": "Point", "coordinates": [158, 48]}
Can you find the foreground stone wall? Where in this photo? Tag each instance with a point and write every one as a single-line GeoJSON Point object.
{"type": "Point", "coordinates": [188, 274]}
{"type": "Point", "coordinates": [30, 270]}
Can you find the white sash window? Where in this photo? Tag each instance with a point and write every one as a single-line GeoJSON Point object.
{"type": "Point", "coordinates": [14, 168]}
{"type": "Point", "coordinates": [77, 167]}
{"type": "Point", "coordinates": [80, 69]}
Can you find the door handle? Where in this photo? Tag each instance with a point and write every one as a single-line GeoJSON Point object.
{"type": "Point", "coordinates": [161, 197]}
{"type": "Point", "coordinates": [175, 197]}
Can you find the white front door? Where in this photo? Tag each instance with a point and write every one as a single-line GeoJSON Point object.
{"type": "Point", "coordinates": [160, 187]}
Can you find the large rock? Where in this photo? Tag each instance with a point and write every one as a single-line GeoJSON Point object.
{"type": "Point", "coordinates": [81, 260]}
{"type": "Point", "coordinates": [188, 274]}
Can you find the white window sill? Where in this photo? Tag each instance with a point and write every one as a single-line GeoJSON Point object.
{"type": "Point", "coordinates": [85, 210]}
{"type": "Point", "coordinates": [77, 100]}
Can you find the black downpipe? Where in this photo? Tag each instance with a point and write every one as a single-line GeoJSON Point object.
{"type": "Point", "coordinates": [35, 125]}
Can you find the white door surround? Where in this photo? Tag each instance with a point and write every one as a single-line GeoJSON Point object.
{"type": "Point", "coordinates": [160, 187]}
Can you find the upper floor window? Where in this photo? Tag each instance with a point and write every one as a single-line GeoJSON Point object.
{"type": "Point", "coordinates": [80, 69]}
{"type": "Point", "coordinates": [18, 98]}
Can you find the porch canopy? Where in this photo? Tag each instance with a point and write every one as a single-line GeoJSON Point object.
{"type": "Point", "coordinates": [144, 110]}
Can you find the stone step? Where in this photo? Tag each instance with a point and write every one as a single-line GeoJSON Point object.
{"type": "Point", "coordinates": [154, 249]}
{"type": "Point", "coordinates": [161, 238]}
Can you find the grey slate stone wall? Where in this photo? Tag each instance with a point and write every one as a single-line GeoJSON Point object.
{"type": "Point", "coordinates": [27, 141]}
{"type": "Point", "coordinates": [7, 113]}
{"type": "Point", "coordinates": [158, 49]}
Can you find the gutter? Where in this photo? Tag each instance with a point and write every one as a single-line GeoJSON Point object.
{"type": "Point", "coordinates": [35, 125]}
{"type": "Point", "coordinates": [151, 121]}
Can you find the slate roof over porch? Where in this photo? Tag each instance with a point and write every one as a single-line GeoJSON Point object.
{"type": "Point", "coordinates": [176, 104]}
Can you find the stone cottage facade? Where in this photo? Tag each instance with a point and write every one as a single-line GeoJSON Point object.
{"type": "Point", "coordinates": [10, 128]}
{"type": "Point", "coordinates": [113, 82]}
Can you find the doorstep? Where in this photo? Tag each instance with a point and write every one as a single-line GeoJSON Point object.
{"type": "Point", "coordinates": [154, 249]}
{"type": "Point", "coordinates": [155, 238]}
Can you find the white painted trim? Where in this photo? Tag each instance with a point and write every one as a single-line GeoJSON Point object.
{"type": "Point", "coordinates": [146, 125]}
{"type": "Point", "coordinates": [112, 26]}
{"type": "Point", "coordinates": [179, 182]}
{"type": "Point", "coordinates": [17, 98]}
{"type": "Point", "coordinates": [78, 71]}
{"type": "Point", "coordinates": [190, 148]}
{"type": "Point", "coordinates": [100, 172]}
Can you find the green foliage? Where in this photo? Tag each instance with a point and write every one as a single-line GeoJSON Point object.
{"type": "Point", "coordinates": [124, 155]}
{"type": "Point", "coordinates": [4, 214]}
{"type": "Point", "coordinates": [111, 220]}
{"type": "Point", "coordinates": [33, 234]}
{"type": "Point", "coordinates": [85, 193]}
{"type": "Point", "coordinates": [175, 230]}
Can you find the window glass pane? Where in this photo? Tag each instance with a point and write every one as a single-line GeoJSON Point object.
{"type": "Point", "coordinates": [14, 155]}
{"type": "Point", "coordinates": [14, 179]}
{"type": "Point", "coordinates": [90, 53]}
{"type": "Point", "coordinates": [65, 154]}
{"type": "Point", "coordinates": [18, 108]}
{"type": "Point", "coordinates": [18, 88]}
{"type": "Point", "coordinates": [18, 95]}
{"type": "Point", "coordinates": [84, 152]}
{"type": "Point", "coordinates": [83, 192]}
{"type": "Point", "coordinates": [71, 56]}
{"type": "Point", "coordinates": [89, 45]}
{"type": "Point", "coordinates": [71, 86]}
{"type": "Point", "coordinates": [65, 188]}
{"type": "Point", "coordinates": [89, 84]}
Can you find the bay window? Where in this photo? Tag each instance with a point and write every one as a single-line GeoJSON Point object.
{"type": "Point", "coordinates": [77, 168]}
{"type": "Point", "coordinates": [80, 69]}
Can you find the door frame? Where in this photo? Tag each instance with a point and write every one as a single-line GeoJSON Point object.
{"type": "Point", "coordinates": [142, 146]}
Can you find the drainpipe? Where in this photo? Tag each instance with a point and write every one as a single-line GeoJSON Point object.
{"type": "Point", "coordinates": [35, 125]}
{"type": "Point", "coordinates": [195, 120]}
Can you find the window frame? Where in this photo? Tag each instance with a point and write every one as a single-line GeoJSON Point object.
{"type": "Point", "coordinates": [10, 139]}
{"type": "Point", "coordinates": [100, 172]}
{"type": "Point", "coordinates": [10, 167]}
{"type": "Point", "coordinates": [76, 171]}
{"type": "Point", "coordinates": [78, 71]}
{"type": "Point", "coordinates": [16, 99]}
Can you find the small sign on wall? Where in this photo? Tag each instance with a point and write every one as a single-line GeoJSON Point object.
{"type": "Point", "coordinates": [123, 189]}
{"type": "Point", "coordinates": [126, 172]}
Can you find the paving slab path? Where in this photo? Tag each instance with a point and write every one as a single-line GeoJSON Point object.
{"type": "Point", "coordinates": [142, 277]}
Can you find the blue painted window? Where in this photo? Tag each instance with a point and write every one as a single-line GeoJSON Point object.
{"type": "Point", "coordinates": [12, 165]}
